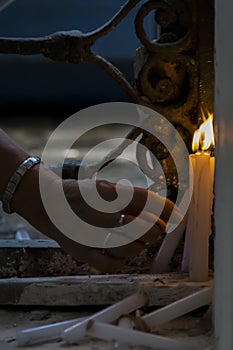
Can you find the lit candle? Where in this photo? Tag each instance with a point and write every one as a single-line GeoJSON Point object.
{"type": "Point", "coordinates": [196, 252]}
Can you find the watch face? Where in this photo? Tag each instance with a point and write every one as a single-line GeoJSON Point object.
{"type": "Point", "coordinates": [31, 161]}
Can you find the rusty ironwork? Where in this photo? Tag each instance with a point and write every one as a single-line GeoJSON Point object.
{"type": "Point", "coordinates": [173, 72]}
{"type": "Point", "coordinates": [166, 69]}
{"type": "Point", "coordinates": [75, 47]}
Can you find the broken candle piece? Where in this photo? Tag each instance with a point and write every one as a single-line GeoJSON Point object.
{"type": "Point", "coordinates": [45, 333]}
{"type": "Point", "coordinates": [76, 332]}
{"type": "Point", "coordinates": [135, 338]}
{"type": "Point", "coordinates": [178, 308]}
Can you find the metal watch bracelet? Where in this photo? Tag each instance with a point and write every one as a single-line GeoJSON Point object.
{"type": "Point", "coordinates": [15, 180]}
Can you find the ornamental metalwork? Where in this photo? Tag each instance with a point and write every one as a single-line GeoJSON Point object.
{"type": "Point", "coordinates": [173, 73]}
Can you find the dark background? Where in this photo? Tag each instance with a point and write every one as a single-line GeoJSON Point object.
{"type": "Point", "coordinates": [34, 84]}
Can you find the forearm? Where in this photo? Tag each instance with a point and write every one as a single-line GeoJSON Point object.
{"type": "Point", "coordinates": [27, 202]}
{"type": "Point", "coordinates": [26, 199]}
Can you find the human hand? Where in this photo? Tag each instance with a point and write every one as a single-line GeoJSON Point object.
{"type": "Point", "coordinates": [27, 202]}
{"type": "Point", "coordinates": [150, 221]}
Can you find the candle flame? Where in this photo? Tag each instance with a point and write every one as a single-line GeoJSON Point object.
{"type": "Point", "coordinates": [203, 138]}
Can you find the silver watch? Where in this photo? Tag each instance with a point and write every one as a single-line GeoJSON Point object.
{"type": "Point", "coordinates": [15, 180]}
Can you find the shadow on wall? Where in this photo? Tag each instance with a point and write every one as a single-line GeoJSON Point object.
{"type": "Point", "coordinates": [34, 80]}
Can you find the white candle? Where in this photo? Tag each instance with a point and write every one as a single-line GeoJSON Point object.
{"type": "Point", "coordinates": [162, 261]}
{"type": "Point", "coordinates": [132, 337]}
{"type": "Point", "coordinates": [178, 308]}
{"type": "Point", "coordinates": [75, 333]}
{"type": "Point", "coordinates": [128, 323]}
{"type": "Point", "coordinates": [199, 217]}
{"type": "Point", "coordinates": [45, 333]}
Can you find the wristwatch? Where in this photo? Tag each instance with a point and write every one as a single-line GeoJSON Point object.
{"type": "Point", "coordinates": [12, 185]}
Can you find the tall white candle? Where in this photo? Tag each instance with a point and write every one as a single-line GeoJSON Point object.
{"type": "Point", "coordinates": [199, 216]}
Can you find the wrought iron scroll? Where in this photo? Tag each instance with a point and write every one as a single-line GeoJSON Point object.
{"type": "Point", "coordinates": [74, 47]}
{"type": "Point", "coordinates": [166, 69]}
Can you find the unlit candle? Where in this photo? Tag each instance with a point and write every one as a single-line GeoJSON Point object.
{"type": "Point", "coordinates": [178, 308]}
{"type": "Point", "coordinates": [110, 314]}
{"type": "Point", "coordinates": [135, 338]}
{"type": "Point", "coordinates": [45, 333]}
{"type": "Point", "coordinates": [162, 261]}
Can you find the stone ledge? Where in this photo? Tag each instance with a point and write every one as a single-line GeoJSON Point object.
{"type": "Point", "coordinates": [96, 290]}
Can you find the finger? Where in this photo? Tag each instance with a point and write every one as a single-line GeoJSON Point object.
{"type": "Point", "coordinates": [141, 196]}
{"type": "Point", "coordinates": [146, 216]}
{"type": "Point", "coordinates": [150, 237]}
{"type": "Point", "coordinates": [155, 203]}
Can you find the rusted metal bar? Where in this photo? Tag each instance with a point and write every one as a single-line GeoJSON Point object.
{"type": "Point", "coordinates": [74, 47]}
{"type": "Point", "coordinates": [171, 72]}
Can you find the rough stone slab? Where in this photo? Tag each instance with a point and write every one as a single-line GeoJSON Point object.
{"type": "Point", "coordinates": [40, 258]}
{"type": "Point", "coordinates": [95, 290]}
{"type": "Point", "coordinates": [32, 243]}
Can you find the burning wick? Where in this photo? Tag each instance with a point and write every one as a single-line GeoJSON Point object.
{"type": "Point", "coordinates": [203, 138]}
{"type": "Point", "coordinates": [196, 250]}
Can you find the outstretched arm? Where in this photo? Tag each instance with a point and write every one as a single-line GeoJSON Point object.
{"type": "Point", "coordinates": [27, 202]}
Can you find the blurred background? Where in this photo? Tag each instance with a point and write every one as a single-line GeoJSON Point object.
{"type": "Point", "coordinates": [36, 94]}
{"type": "Point", "coordinates": [29, 82]}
